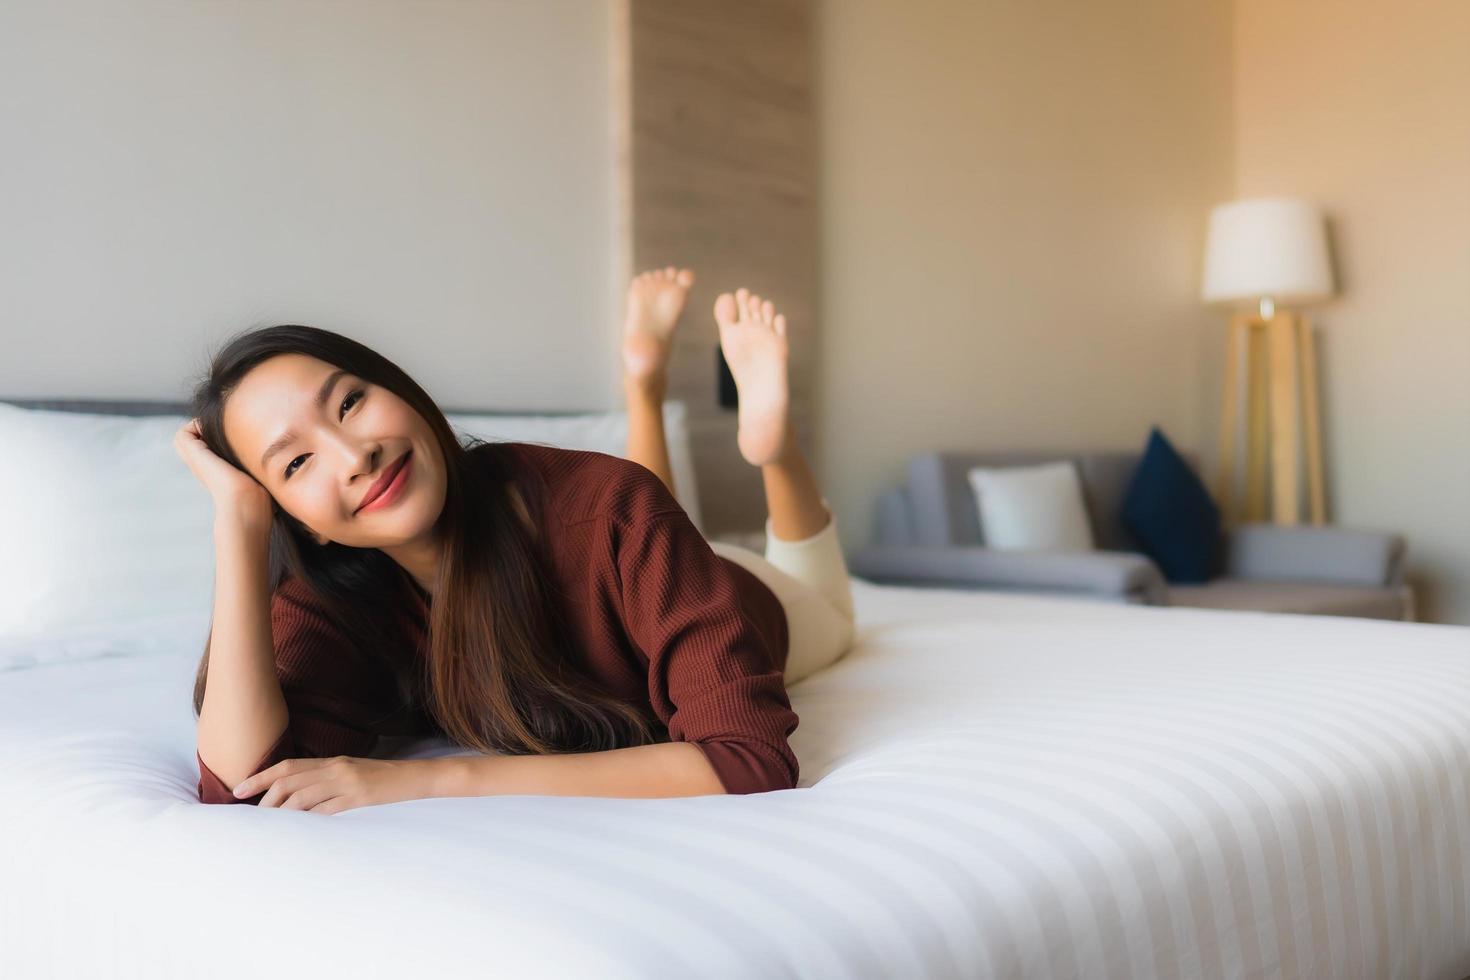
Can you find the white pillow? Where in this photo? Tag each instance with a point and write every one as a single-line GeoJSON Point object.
{"type": "Point", "coordinates": [101, 522]}
{"type": "Point", "coordinates": [603, 432]}
{"type": "Point", "coordinates": [1032, 508]}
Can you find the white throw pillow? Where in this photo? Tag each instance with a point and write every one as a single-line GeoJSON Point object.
{"type": "Point", "coordinates": [602, 432]}
{"type": "Point", "coordinates": [1032, 508]}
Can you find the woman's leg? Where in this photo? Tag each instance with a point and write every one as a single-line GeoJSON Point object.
{"type": "Point", "coordinates": [803, 564]}
{"type": "Point", "coordinates": [655, 301]}
{"type": "Point", "coordinates": [753, 338]}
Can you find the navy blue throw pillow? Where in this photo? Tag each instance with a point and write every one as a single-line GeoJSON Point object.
{"type": "Point", "coordinates": [1171, 514]}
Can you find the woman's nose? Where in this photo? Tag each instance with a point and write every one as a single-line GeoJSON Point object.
{"type": "Point", "coordinates": [360, 459]}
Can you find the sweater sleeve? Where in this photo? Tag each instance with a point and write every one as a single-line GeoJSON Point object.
{"type": "Point", "coordinates": [322, 685]}
{"type": "Point", "coordinates": [712, 678]}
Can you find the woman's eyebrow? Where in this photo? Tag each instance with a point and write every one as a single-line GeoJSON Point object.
{"type": "Point", "coordinates": [327, 387]}
{"type": "Point", "coordinates": [276, 447]}
{"type": "Point", "coordinates": [321, 399]}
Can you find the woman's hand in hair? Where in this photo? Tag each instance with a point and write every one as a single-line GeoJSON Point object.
{"type": "Point", "coordinates": [236, 493]}
{"type": "Point", "coordinates": [340, 783]}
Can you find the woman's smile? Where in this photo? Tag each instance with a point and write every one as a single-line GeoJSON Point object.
{"type": "Point", "coordinates": [390, 486]}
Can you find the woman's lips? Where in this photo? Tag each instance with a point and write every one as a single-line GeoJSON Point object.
{"type": "Point", "coordinates": [382, 493]}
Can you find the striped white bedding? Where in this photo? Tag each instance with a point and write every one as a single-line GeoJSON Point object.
{"type": "Point", "coordinates": [993, 786]}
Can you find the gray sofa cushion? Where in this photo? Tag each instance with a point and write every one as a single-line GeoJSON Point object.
{"type": "Point", "coordinates": [1113, 574]}
{"type": "Point", "coordinates": [942, 504]}
{"type": "Point", "coordinates": [1105, 479]}
{"type": "Point", "coordinates": [1340, 555]}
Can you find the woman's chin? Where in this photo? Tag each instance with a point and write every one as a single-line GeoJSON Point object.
{"type": "Point", "coordinates": [402, 529]}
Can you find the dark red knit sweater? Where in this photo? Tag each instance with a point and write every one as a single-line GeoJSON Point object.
{"type": "Point", "coordinates": [658, 618]}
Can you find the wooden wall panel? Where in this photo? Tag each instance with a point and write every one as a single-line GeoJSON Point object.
{"type": "Point", "coordinates": [716, 156]}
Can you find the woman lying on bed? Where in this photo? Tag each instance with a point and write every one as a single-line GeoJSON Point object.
{"type": "Point", "coordinates": [555, 610]}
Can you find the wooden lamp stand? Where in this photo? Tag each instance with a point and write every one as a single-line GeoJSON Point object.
{"type": "Point", "coordinates": [1280, 359]}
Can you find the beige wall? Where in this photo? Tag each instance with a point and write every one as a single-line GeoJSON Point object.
{"type": "Point", "coordinates": [434, 178]}
{"type": "Point", "coordinates": [1013, 205]}
{"type": "Point", "coordinates": [1364, 105]}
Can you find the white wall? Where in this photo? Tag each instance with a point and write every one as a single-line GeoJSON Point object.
{"type": "Point", "coordinates": [432, 178]}
{"type": "Point", "coordinates": [1014, 197]}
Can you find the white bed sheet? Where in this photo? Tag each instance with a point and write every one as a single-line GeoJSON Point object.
{"type": "Point", "coordinates": [991, 785]}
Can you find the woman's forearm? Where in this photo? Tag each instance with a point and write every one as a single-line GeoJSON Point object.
{"type": "Point", "coordinates": [658, 770]}
{"type": "Point", "coordinates": [243, 712]}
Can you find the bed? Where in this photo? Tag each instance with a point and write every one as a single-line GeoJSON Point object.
{"type": "Point", "coordinates": [992, 785]}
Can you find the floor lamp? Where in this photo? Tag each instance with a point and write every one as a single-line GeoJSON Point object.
{"type": "Point", "coordinates": [1264, 257]}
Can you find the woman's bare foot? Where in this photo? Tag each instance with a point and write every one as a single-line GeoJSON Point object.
{"type": "Point", "coordinates": [753, 337]}
{"type": "Point", "coordinates": [655, 300]}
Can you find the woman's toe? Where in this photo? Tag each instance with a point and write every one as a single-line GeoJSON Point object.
{"type": "Point", "coordinates": [725, 309]}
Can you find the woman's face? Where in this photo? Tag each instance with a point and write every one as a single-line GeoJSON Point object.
{"type": "Point", "coordinates": [327, 437]}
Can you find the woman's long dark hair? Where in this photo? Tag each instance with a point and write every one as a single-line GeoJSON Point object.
{"type": "Point", "coordinates": [500, 674]}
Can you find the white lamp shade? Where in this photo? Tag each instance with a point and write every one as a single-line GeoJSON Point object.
{"type": "Point", "coordinates": [1267, 247]}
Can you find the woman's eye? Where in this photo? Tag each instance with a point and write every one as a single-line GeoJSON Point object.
{"type": "Point", "coordinates": [355, 393]}
{"type": "Point", "coordinates": [291, 466]}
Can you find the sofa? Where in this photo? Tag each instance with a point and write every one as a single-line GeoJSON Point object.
{"type": "Point", "coordinates": [927, 532]}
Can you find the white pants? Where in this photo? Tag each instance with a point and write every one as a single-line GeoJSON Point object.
{"type": "Point", "coordinates": [809, 579]}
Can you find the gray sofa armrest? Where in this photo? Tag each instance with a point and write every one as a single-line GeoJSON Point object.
{"type": "Point", "coordinates": [893, 524]}
{"type": "Point", "coordinates": [1314, 554]}
{"type": "Point", "coordinates": [1111, 574]}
